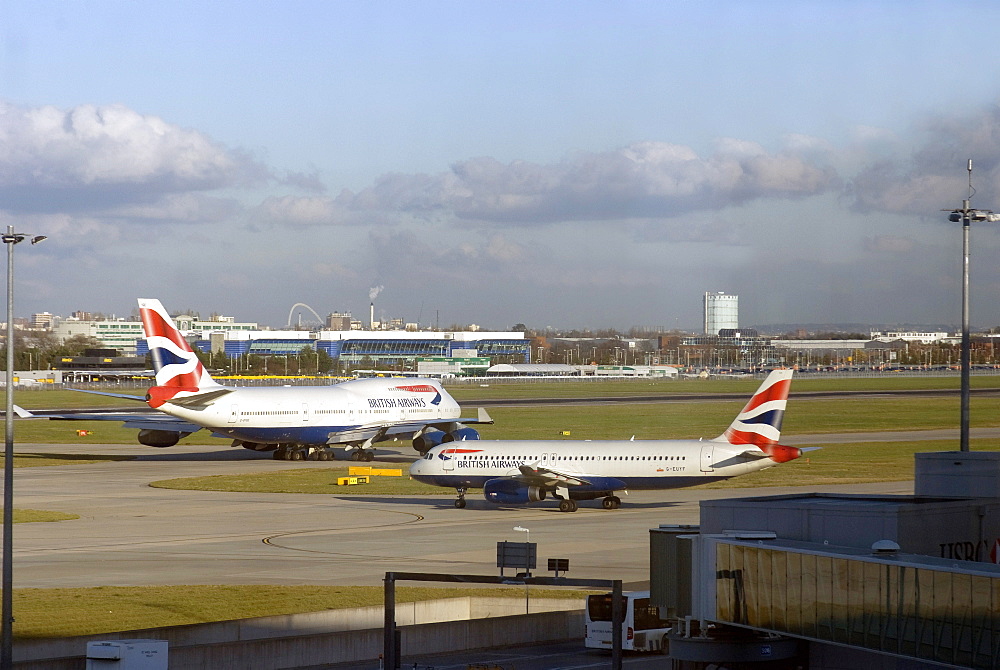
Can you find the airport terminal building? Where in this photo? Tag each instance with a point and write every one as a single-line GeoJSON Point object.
{"type": "Point", "coordinates": [840, 581]}
{"type": "Point", "coordinates": [354, 347]}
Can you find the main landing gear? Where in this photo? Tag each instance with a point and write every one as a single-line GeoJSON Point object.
{"type": "Point", "coordinates": [292, 452]}
{"type": "Point", "coordinates": [567, 505]}
{"type": "Point", "coordinates": [609, 502]}
{"type": "Point", "coordinates": [366, 455]}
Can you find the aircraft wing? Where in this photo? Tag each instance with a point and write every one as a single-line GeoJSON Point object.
{"type": "Point", "coordinates": [376, 432]}
{"type": "Point", "coordinates": [549, 478]}
{"type": "Point", "coordinates": [137, 420]}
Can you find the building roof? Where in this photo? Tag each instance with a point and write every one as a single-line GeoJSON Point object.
{"type": "Point", "coordinates": [533, 369]}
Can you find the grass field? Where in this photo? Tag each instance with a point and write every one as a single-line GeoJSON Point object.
{"type": "Point", "coordinates": [108, 609]}
{"type": "Point", "coordinates": [63, 612]}
{"type": "Point", "coordinates": [615, 421]}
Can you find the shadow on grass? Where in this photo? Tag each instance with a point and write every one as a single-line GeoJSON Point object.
{"type": "Point", "coordinates": [30, 460]}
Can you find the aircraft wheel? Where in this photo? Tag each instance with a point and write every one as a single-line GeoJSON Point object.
{"type": "Point", "coordinates": [608, 503]}
{"type": "Point", "coordinates": [618, 501]}
{"type": "Point", "coordinates": [295, 455]}
{"type": "Point", "coordinates": [567, 505]}
{"type": "Point", "coordinates": [369, 456]}
{"type": "Point", "coordinates": [460, 503]}
{"type": "Point", "coordinates": [324, 455]}
{"type": "Point", "coordinates": [354, 455]}
{"type": "Point", "coordinates": [277, 454]}
{"type": "Point", "coordinates": [313, 456]}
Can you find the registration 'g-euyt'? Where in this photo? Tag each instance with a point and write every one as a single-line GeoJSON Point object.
{"type": "Point", "coordinates": [524, 471]}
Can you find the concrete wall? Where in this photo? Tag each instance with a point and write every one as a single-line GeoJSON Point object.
{"type": "Point", "coordinates": [333, 636]}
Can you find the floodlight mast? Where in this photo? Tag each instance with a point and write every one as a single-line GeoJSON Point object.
{"type": "Point", "coordinates": [966, 215]}
{"type": "Point", "coordinates": [6, 573]}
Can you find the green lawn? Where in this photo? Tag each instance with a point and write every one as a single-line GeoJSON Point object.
{"type": "Point", "coordinates": [64, 612]}
{"type": "Point", "coordinates": [108, 609]}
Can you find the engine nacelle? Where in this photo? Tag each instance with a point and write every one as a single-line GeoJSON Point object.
{"type": "Point", "coordinates": [511, 492]}
{"type": "Point", "coordinates": [428, 439]}
{"type": "Point", "coordinates": [463, 433]}
{"type": "Point", "coordinates": [159, 438]}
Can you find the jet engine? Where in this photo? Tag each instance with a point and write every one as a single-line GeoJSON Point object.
{"type": "Point", "coordinates": [159, 438]}
{"type": "Point", "coordinates": [432, 437]}
{"type": "Point", "coordinates": [459, 434]}
{"type": "Point", "coordinates": [511, 492]}
{"type": "Point", "coordinates": [428, 439]}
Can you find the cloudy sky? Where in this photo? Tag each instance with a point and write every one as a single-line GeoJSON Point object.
{"type": "Point", "coordinates": [564, 164]}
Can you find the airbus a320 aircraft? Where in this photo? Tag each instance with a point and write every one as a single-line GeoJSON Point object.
{"type": "Point", "coordinates": [523, 471]}
{"type": "Point", "coordinates": [295, 422]}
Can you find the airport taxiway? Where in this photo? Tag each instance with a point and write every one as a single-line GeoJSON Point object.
{"type": "Point", "coordinates": [129, 533]}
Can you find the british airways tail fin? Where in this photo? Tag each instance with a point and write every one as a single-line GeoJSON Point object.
{"type": "Point", "coordinates": [759, 423]}
{"type": "Point", "coordinates": [176, 366]}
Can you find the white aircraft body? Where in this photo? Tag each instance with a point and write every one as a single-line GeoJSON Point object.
{"type": "Point", "coordinates": [524, 471]}
{"type": "Point", "coordinates": [293, 421]}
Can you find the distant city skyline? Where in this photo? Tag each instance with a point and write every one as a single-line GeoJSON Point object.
{"type": "Point", "coordinates": [767, 328]}
{"type": "Point", "coordinates": [573, 165]}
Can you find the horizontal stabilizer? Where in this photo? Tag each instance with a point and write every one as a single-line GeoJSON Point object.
{"type": "Point", "coordinates": [109, 394]}
{"type": "Point", "coordinates": [201, 399]}
{"type": "Point", "coordinates": [753, 453]}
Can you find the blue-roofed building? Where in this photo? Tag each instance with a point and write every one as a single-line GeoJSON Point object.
{"type": "Point", "coordinates": [352, 347]}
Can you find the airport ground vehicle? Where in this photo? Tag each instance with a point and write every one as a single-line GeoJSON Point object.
{"type": "Point", "coordinates": [642, 629]}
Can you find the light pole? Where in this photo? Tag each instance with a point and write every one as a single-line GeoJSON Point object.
{"type": "Point", "coordinates": [966, 215]}
{"type": "Point", "coordinates": [7, 624]}
{"type": "Point", "coordinates": [527, 564]}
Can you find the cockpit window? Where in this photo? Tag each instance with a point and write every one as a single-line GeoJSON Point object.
{"type": "Point", "coordinates": [429, 456]}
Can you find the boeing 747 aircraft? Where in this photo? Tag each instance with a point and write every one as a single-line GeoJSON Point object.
{"type": "Point", "coordinates": [295, 422]}
{"type": "Point", "coordinates": [524, 471]}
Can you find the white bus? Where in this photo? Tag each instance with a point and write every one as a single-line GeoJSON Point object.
{"type": "Point", "coordinates": [642, 629]}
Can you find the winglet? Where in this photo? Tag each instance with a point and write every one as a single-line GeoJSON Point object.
{"type": "Point", "coordinates": [484, 417]}
{"type": "Point", "coordinates": [23, 413]}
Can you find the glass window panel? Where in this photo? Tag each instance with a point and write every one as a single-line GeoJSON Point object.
{"type": "Point", "coordinates": [824, 597]}
{"type": "Point", "coordinates": [779, 589]}
{"type": "Point", "coordinates": [940, 611]}
{"type": "Point", "coordinates": [961, 617]}
{"type": "Point", "coordinates": [925, 609]}
{"type": "Point", "coordinates": [793, 593]}
{"type": "Point", "coordinates": [909, 622]}
{"type": "Point", "coordinates": [759, 590]}
{"type": "Point", "coordinates": [854, 624]}
{"type": "Point", "coordinates": [809, 610]}
{"type": "Point", "coordinates": [725, 600]}
{"type": "Point", "coordinates": [839, 613]}
{"type": "Point", "coordinates": [982, 614]}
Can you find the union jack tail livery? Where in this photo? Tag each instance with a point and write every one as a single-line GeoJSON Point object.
{"type": "Point", "coordinates": [516, 472]}
{"type": "Point", "coordinates": [178, 370]}
{"type": "Point", "coordinates": [759, 423]}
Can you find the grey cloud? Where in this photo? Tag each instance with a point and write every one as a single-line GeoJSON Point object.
{"type": "Point", "coordinates": [97, 157]}
{"type": "Point", "coordinates": [934, 175]}
{"type": "Point", "coordinates": [647, 179]}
